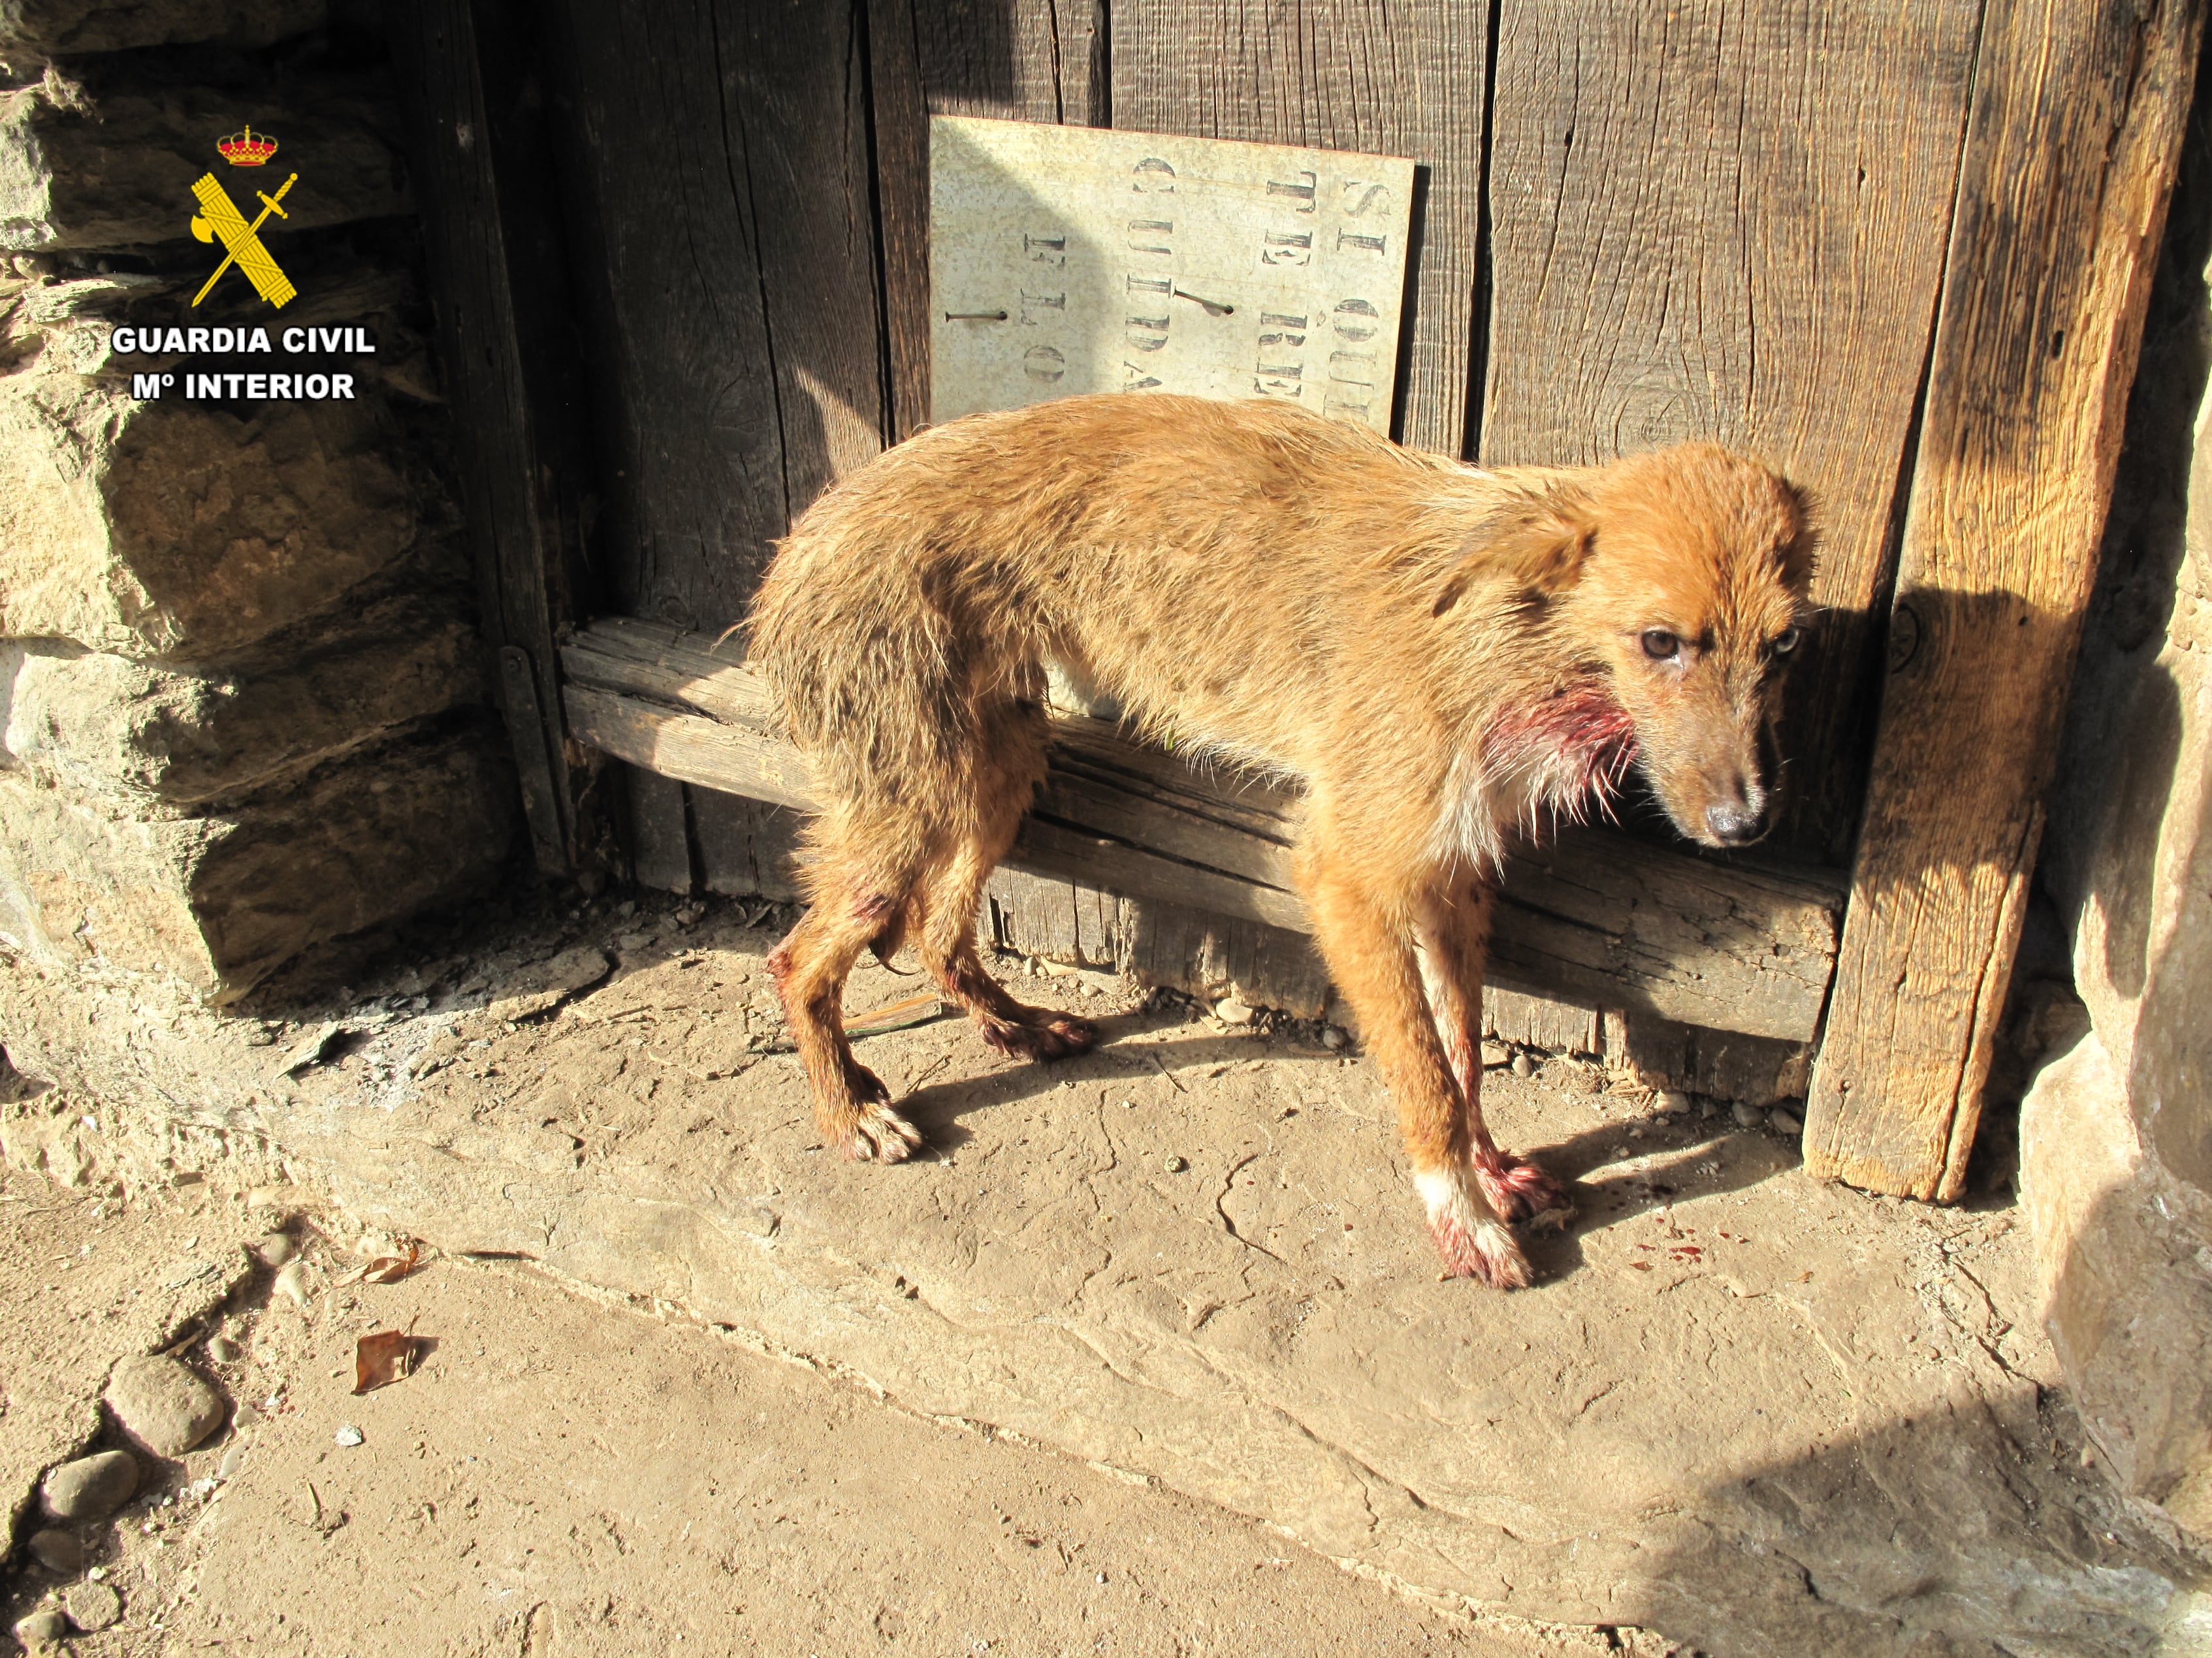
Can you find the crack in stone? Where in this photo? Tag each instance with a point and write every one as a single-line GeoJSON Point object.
{"type": "Point", "coordinates": [1228, 1226]}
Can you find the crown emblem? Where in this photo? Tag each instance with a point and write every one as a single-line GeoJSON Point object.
{"type": "Point", "coordinates": [247, 147]}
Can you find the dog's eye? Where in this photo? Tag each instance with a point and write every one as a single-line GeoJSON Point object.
{"type": "Point", "coordinates": [1785, 641]}
{"type": "Point", "coordinates": [1659, 644]}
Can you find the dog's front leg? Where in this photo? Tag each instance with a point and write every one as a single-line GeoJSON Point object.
{"type": "Point", "coordinates": [1371, 956]}
{"type": "Point", "coordinates": [1455, 941]}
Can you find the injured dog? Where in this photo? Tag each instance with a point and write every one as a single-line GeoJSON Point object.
{"type": "Point", "coordinates": [1442, 655]}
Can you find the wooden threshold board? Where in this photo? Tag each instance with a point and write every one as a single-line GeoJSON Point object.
{"type": "Point", "coordinates": [1593, 917]}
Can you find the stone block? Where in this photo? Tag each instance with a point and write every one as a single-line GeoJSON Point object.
{"type": "Point", "coordinates": [51, 27]}
{"type": "Point", "coordinates": [112, 167]}
{"type": "Point", "coordinates": [220, 901]}
{"type": "Point", "coordinates": [2123, 1259]}
{"type": "Point", "coordinates": [107, 725]}
{"type": "Point", "coordinates": [162, 1404]}
{"type": "Point", "coordinates": [180, 532]}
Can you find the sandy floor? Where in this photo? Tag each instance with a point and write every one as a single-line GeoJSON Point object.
{"type": "Point", "coordinates": [565, 1474]}
{"type": "Point", "coordinates": [1740, 1410]}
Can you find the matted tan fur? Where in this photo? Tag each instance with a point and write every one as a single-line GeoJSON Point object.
{"type": "Point", "coordinates": [1445, 657]}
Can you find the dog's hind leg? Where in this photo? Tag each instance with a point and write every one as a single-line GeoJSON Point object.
{"type": "Point", "coordinates": [953, 892]}
{"type": "Point", "coordinates": [1455, 938]}
{"type": "Point", "coordinates": [853, 909]}
{"type": "Point", "coordinates": [1371, 956]}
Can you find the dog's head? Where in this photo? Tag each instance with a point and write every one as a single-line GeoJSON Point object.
{"type": "Point", "coordinates": [1678, 579]}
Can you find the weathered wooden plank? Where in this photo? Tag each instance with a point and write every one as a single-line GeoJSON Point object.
{"type": "Point", "coordinates": [1381, 76]}
{"type": "Point", "coordinates": [659, 835]}
{"type": "Point", "coordinates": [1208, 954]}
{"type": "Point", "coordinates": [480, 157]}
{"type": "Point", "coordinates": [744, 847]}
{"type": "Point", "coordinates": [717, 172]}
{"type": "Point", "coordinates": [706, 673]}
{"type": "Point", "coordinates": [1078, 853]}
{"type": "Point", "coordinates": [1020, 60]}
{"type": "Point", "coordinates": [1726, 219]}
{"type": "Point", "coordinates": [1542, 1022]}
{"type": "Point", "coordinates": [691, 747]}
{"type": "Point", "coordinates": [1611, 922]}
{"type": "Point", "coordinates": [2077, 124]}
{"type": "Point", "coordinates": [1058, 919]}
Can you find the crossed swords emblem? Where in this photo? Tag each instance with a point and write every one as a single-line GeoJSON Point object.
{"type": "Point", "coordinates": [219, 216]}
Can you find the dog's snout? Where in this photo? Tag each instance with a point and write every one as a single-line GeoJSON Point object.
{"type": "Point", "coordinates": [1741, 817]}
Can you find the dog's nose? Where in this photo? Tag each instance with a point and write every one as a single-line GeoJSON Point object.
{"type": "Point", "coordinates": [1735, 822]}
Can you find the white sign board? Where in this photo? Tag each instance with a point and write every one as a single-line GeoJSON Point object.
{"type": "Point", "coordinates": [1071, 259]}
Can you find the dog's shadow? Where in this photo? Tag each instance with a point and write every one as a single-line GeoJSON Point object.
{"type": "Point", "coordinates": [1611, 1175]}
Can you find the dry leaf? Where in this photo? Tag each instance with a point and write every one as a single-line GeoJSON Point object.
{"type": "Point", "coordinates": [386, 1269]}
{"type": "Point", "coordinates": [390, 1269]}
{"type": "Point", "coordinates": [381, 1359]}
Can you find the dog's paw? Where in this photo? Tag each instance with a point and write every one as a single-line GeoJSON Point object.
{"type": "Point", "coordinates": [882, 1135]}
{"type": "Point", "coordinates": [865, 1087]}
{"type": "Point", "coordinates": [1473, 1241]}
{"type": "Point", "coordinates": [1042, 1035]}
{"type": "Point", "coordinates": [868, 1129]}
{"type": "Point", "coordinates": [1518, 1190]}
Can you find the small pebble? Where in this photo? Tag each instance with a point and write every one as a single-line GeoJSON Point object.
{"type": "Point", "coordinates": [42, 1628]}
{"type": "Point", "coordinates": [91, 1488]}
{"type": "Point", "coordinates": [1707, 1109]}
{"type": "Point", "coordinates": [223, 1349]}
{"type": "Point", "coordinates": [166, 1407]}
{"type": "Point", "coordinates": [228, 1468]}
{"type": "Point", "coordinates": [1176, 1165]}
{"type": "Point", "coordinates": [1673, 1101]}
{"type": "Point", "coordinates": [292, 1282]}
{"type": "Point", "coordinates": [276, 1248]}
{"type": "Point", "coordinates": [92, 1607]}
{"type": "Point", "coordinates": [1230, 1010]}
{"type": "Point", "coordinates": [1785, 1122]}
{"type": "Point", "coordinates": [1747, 1115]}
{"type": "Point", "coordinates": [1332, 1037]}
{"type": "Point", "coordinates": [58, 1551]}
{"type": "Point", "coordinates": [348, 1435]}
{"type": "Point", "coordinates": [1523, 1066]}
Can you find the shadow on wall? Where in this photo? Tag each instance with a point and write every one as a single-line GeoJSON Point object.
{"type": "Point", "coordinates": [1972, 1530]}
{"type": "Point", "coordinates": [735, 269]}
{"type": "Point", "coordinates": [2117, 1130]}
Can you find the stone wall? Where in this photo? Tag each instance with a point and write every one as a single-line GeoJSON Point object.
{"type": "Point", "coordinates": [243, 705]}
{"type": "Point", "coordinates": [2117, 1130]}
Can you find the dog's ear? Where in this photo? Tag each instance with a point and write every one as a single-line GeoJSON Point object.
{"type": "Point", "coordinates": [1538, 546]}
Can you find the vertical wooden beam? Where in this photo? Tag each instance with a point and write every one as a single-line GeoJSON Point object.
{"type": "Point", "coordinates": [1380, 76]}
{"type": "Point", "coordinates": [2078, 114]}
{"type": "Point", "coordinates": [482, 175]}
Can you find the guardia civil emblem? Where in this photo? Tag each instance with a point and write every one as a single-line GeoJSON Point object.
{"type": "Point", "coordinates": [218, 219]}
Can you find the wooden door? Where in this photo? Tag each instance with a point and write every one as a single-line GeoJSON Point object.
{"type": "Point", "coordinates": [1635, 224]}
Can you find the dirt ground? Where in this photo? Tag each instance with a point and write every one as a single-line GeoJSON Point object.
{"type": "Point", "coordinates": [565, 1474]}
{"type": "Point", "coordinates": [1741, 1412]}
